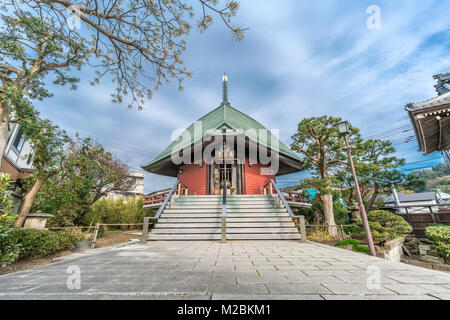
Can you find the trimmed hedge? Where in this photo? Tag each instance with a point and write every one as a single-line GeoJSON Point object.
{"type": "Point", "coordinates": [19, 243]}
{"type": "Point", "coordinates": [440, 234]}
{"type": "Point", "coordinates": [384, 226]}
{"type": "Point", "coordinates": [41, 243]}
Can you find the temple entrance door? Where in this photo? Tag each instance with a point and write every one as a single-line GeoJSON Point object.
{"type": "Point", "coordinates": [232, 173]}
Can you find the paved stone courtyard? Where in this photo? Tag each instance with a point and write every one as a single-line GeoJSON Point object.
{"type": "Point", "coordinates": [233, 270]}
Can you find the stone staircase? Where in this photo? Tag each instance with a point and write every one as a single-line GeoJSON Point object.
{"type": "Point", "coordinates": [249, 217]}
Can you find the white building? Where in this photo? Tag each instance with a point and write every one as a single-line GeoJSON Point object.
{"type": "Point", "coordinates": [416, 200]}
{"type": "Point", "coordinates": [136, 190]}
{"type": "Point", "coordinates": [17, 160]}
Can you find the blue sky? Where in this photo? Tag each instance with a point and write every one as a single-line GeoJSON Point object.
{"type": "Point", "coordinates": [299, 59]}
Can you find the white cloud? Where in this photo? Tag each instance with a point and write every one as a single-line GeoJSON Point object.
{"type": "Point", "coordinates": [300, 59]}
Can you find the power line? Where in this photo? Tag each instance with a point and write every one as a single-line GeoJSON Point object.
{"type": "Point", "coordinates": [109, 141]}
{"type": "Point", "coordinates": [390, 132]}
{"type": "Point", "coordinates": [426, 160]}
{"type": "Point", "coordinates": [118, 146]}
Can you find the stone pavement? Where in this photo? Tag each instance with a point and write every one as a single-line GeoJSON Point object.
{"type": "Point", "coordinates": [233, 270]}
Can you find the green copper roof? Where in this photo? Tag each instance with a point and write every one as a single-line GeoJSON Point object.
{"type": "Point", "coordinates": [222, 117]}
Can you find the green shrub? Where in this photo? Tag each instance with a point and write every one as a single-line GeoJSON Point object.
{"type": "Point", "coordinates": [117, 211]}
{"type": "Point", "coordinates": [41, 243]}
{"type": "Point", "coordinates": [320, 236]}
{"type": "Point", "coordinates": [384, 226]}
{"type": "Point", "coordinates": [9, 250]}
{"type": "Point", "coordinates": [349, 229]}
{"type": "Point", "coordinates": [356, 246]}
{"type": "Point", "coordinates": [440, 234]}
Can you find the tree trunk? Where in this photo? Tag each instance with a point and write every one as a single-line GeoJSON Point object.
{"type": "Point", "coordinates": [329, 214]}
{"type": "Point", "coordinates": [4, 119]}
{"type": "Point", "coordinates": [374, 197]}
{"type": "Point", "coordinates": [28, 201]}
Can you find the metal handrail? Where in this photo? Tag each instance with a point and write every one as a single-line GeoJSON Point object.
{"type": "Point", "coordinates": [301, 219]}
{"type": "Point", "coordinates": [223, 220]}
{"type": "Point", "coordinates": [161, 208]}
{"type": "Point", "coordinates": [283, 200]}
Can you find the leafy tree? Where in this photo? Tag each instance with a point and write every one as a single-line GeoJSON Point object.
{"type": "Point", "coordinates": [384, 226]}
{"type": "Point", "coordinates": [88, 173]}
{"type": "Point", "coordinates": [119, 210]}
{"type": "Point", "coordinates": [376, 169]}
{"type": "Point", "coordinates": [9, 250]}
{"type": "Point", "coordinates": [137, 44]}
{"type": "Point", "coordinates": [414, 183]}
{"type": "Point", "coordinates": [437, 177]}
{"type": "Point", "coordinates": [314, 215]}
{"type": "Point", "coordinates": [318, 140]}
{"type": "Point", "coordinates": [48, 142]}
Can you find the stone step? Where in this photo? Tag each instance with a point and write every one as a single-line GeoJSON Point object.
{"type": "Point", "coordinates": [235, 196]}
{"type": "Point", "coordinates": [163, 219]}
{"type": "Point", "coordinates": [220, 199]}
{"type": "Point", "coordinates": [213, 236]}
{"type": "Point", "coordinates": [219, 210]}
{"type": "Point", "coordinates": [263, 236]}
{"type": "Point", "coordinates": [219, 203]}
{"type": "Point", "coordinates": [249, 200]}
{"type": "Point", "coordinates": [219, 206]}
{"type": "Point", "coordinates": [229, 225]}
{"type": "Point", "coordinates": [231, 230]}
{"type": "Point", "coordinates": [229, 215]}
{"type": "Point", "coordinates": [189, 230]}
{"type": "Point", "coordinates": [219, 230]}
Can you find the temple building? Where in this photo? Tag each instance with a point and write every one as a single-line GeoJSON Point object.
{"type": "Point", "coordinates": [431, 119]}
{"type": "Point", "coordinates": [244, 174]}
{"type": "Point", "coordinates": [226, 164]}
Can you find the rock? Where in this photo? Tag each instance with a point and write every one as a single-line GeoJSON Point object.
{"type": "Point", "coordinates": [441, 267]}
{"type": "Point", "coordinates": [424, 247]}
{"type": "Point", "coordinates": [348, 247]}
{"type": "Point", "coordinates": [426, 241]}
{"type": "Point", "coordinates": [431, 259]}
{"type": "Point", "coordinates": [418, 263]}
{"type": "Point", "coordinates": [406, 251]}
{"type": "Point", "coordinates": [433, 252]}
{"type": "Point", "coordinates": [408, 238]}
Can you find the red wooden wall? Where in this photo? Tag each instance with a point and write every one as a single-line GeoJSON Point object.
{"type": "Point", "coordinates": [253, 178]}
{"type": "Point", "coordinates": [194, 178]}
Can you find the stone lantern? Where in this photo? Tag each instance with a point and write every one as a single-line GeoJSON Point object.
{"type": "Point", "coordinates": [354, 212]}
{"type": "Point", "coordinates": [37, 220]}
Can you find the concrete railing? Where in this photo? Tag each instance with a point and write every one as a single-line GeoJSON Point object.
{"type": "Point", "coordinates": [301, 219]}
{"type": "Point", "coordinates": [158, 213]}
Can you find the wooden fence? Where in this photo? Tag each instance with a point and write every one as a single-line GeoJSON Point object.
{"type": "Point", "coordinates": [155, 199]}
{"type": "Point", "coordinates": [419, 221]}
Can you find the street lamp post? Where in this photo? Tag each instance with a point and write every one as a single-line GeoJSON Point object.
{"type": "Point", "coordinates": [344, 131]}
